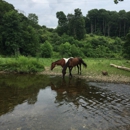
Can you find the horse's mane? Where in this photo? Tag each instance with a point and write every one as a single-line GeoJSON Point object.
{"type": "Point", "coordinates": [57, 61]}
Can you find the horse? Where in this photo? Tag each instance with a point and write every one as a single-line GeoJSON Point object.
{"type": "Point", "coordinates": [72, 62]}
{"type": "Point", "coordinates": [60, 62]}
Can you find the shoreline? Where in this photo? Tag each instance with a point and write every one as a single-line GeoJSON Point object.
{"type": "Point", "coordinates": [89, 77]}
{"type": "Point", "coordinates": [92, 77]}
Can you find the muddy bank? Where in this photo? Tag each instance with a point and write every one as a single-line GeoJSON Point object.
{"type": "Point", "coordinates": [111, 78]}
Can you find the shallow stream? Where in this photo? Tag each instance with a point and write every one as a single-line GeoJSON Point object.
{"type": "Point", "coordinates": [41, 102]}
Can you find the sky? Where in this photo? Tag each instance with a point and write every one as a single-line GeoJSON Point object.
{"type": "Point", "coordinates": [46, 9]}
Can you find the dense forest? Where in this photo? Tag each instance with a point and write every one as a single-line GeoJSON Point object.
{"type": "Point", "coordinates": [101, 33]}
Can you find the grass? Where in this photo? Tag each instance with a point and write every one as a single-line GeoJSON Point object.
{"type": "Point", "coordinates": [98, 65]}
{"type": "Point", "coordinates": [95, 66]}
{"type": "Point", "coordinates": [21, 64]}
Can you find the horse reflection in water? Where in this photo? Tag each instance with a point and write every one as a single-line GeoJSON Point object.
{"type": "Point", "coordinates": [74, 91]}
{"type": "Point", "coordinates": [66, 92]}
{"type": "Point", "coordinates": [72, 62]}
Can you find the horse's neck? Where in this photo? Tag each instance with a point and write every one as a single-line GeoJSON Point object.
{"type": "Point", "coordinates": [58, 63]}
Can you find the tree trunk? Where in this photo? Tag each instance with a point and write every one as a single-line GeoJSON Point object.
{"type": "Point", "coordinates": [95, 26]}
{"type": "Point", "coordinates": [91, 28]}
{"type": "Point", "coordinates": [108, 30]}
{"type": "Point", "coordinates": [120, 67]}
{"type": "Point", "coordinates": [124, 28]}
{"type": "Point", "coordinates": [119, 29]}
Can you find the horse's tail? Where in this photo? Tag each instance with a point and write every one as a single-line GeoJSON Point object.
{"type": "Point", "coordinates": [83, 63]}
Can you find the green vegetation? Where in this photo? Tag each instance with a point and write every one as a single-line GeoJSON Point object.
{"type": "Point", "coordinates": [34, 65]}
{"type": "Point", "coordinates": [95, 66]}
{"type": "Point", "coordinates": [21, 64]}
{"type": "Point", "coordinates": [98, 65]}
{"type": "Point", "coordinates": [99, 34]}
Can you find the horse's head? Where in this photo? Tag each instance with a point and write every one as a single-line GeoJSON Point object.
{"type": "Point", "coordinates": [52, 65]}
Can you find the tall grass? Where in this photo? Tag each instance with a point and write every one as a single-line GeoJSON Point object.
{"type": "Point", "coordinates": [21, 64]}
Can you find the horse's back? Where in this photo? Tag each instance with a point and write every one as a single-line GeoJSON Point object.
{"type": "Point", "coordinates": [73, 61]}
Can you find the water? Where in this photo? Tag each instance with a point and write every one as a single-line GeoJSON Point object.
{"type": "Point", "coordinates": [40, 102]}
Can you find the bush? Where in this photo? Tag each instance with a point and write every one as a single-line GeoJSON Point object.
{"type": "Point", "coordinates": [22, 64]}
{"type": "Point", "coordinates": [46, 50]}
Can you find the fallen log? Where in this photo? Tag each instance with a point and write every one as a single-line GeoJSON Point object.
{"type": "Point", "coordinates": [120, 67]}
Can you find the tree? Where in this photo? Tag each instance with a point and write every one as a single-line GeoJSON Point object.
{"type": "Point", "coordinates": [102, 20]}
{"type": "Point", "coordinates": [11, 33]}
{"type": "Point", "coordinates": [112, 24]}
{"type": "Point", "coordinates": [75, 51]}
{"type": "Point", "coordinates": [30, 42]}
{"type": "Point", "coordinates": [117, 1]}
{"type": "Point", "coordinates": [122, 22]}
{"type": "Point", "coordinates": [126, 46]}
{"type": "Point", "coordinates": [55, 41]}
{"type": "Point", "coordinates": [46, 50]}
{"type": "Point", "coordinates": [65, 49]}
{"type": "Point", "coordinates": [93, 17]}
{"type": "Point", "coordinates": [62, 23]}
{"type": "Point", "coordinates": [4, 9]}
{"type": "Point", "coordinates": [108, 23]}
{"type": "Point", "coordinates": [33, 18]}
{"type": "Point", "coordinates": [77, 24]}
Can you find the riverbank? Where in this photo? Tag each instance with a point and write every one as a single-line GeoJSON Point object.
{"type": "Point", "coordinates": [93, 72]}
{"type": "Point", "coordinates": [90, 76]}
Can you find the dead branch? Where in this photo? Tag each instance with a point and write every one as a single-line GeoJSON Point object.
{"type": "Point", "coordinates": [120, 67]}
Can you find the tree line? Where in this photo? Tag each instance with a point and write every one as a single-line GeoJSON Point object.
{"type": "Point", "coordinates": [99, 22]}
{"type": "Point", "coordinates": [75, 35]}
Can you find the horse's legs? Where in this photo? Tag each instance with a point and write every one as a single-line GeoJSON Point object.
{"type": "Point", "coordinates": [70, 69]}
{"type": "Point", "coordinates": [63, 72]}
{"type": "Point", "coordinates": [78, 69]}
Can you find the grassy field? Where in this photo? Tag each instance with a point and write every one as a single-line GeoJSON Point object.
{"type": "Point", "coordinates": [94, 69]}
{"type": "Point", "coordinates": [95, 66]}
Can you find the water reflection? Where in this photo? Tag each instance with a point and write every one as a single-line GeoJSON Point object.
{"type": "Point", "coordinates": [102, 108]}
{"type": "Point", "coordinates": [17, 89]}
{"type": "Point", "coordinates": [77, 92]}
{"type": "Point", "coordinates": [43, 102]}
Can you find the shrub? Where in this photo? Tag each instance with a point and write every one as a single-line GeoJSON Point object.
{"type": "Point", "coordinates": [22, 64]}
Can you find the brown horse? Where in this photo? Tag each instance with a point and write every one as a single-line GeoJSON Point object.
{"type": "Point", "coordinates": [60, 62]}
{"type": "Point", "coordinates": [72, 62]}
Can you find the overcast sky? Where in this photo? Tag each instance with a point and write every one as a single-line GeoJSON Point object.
{"type": "Point", "coordinates": [46, 9]}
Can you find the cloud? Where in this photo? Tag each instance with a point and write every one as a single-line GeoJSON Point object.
{"type": "Point", "coordinates": [46, 9]}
